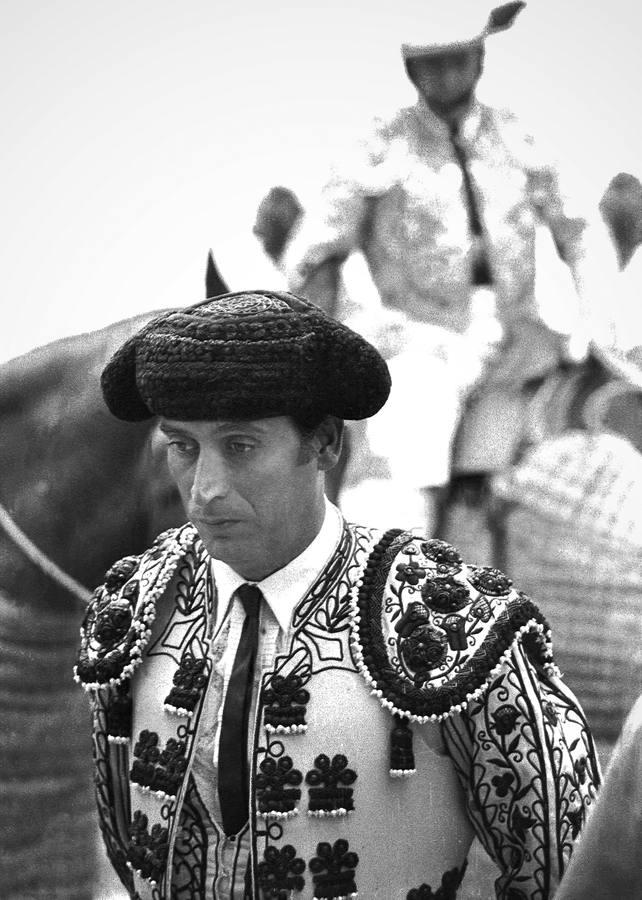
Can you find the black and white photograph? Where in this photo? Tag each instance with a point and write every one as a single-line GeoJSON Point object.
{"type": "Point", "coordinates": [321, 450]}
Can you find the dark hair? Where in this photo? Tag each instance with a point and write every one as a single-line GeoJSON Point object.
{"type": "Point", "coordinates": [276, 216]}
{"type": "Point", "coordinates": [307, 423]}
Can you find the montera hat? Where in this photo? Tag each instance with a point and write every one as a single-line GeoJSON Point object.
{"type": "Point", "coordinates": [245, 355]}
{"type": "Point", "coordinates": [456, 25]}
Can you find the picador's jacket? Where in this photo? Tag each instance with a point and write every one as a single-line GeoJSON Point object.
{"type": "Point", "coordinates": [418, 704]}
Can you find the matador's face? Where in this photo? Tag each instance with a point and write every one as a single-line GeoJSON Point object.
{"type": "Point", "coordinates": [253, 488]}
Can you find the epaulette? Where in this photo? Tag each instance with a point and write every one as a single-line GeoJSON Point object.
{"type": "Point", "coordinates": [430, 633]}
{"type": "Point", "coordinates": [117, 625]}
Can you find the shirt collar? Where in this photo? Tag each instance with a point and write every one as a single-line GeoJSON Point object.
{"type": "Point", "coordinates": [469, 127]}
{"type": "Point", "coordinates": [285, 588]}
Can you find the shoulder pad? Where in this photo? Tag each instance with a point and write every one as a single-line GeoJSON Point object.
{"type": "Point", "coordinates": [429, 633]}
{"type": "Point", "coordinates": [117, 624]}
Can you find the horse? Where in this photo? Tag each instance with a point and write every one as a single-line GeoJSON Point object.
{"type": "Point", "coordinates": [564, 518]}
{"type": "Point", "coordinates": [79, 489]}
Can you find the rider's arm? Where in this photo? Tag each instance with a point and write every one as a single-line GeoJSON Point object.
{"type": "Point", "coordinates": [333, 226]}
{"type": "Point", "coordinates": [582, 241]}
{"type": "Point", "coordinates": [526, 760]}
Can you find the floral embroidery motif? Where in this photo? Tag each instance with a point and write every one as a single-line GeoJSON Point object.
{"type": "Point", "coordinates": [329, 794]}
{"type": "Point", "coordinates": [581, 766]}
{"type": "Point", "coordinates": [550, 712]}
{"type": "Point", "coordinates": [445, 595]}
{"type": "Point", "coordinates": [505, 719]}
{"type": "Point", "coordinates": [522, 821]}
{"type": "Point", "coordinates": [159, 771]}
{"type": "Point", "coordinates": [147, 851]}
{"type": "Point", "coordinates": [277, 788]}
{"type": "Point", "coordinates": [576, 818]}
{"type": "Point", "coordinates": [117, 625]}
{"type": "Point", "coordinates": [120, 572]}
{"type": "Point", "coordinates": [489, 581]}
{"type": "Point", "coordinates": [286, 700]}
{"type": "Point", "coordinates": [447, 890]}
{"type": "Point", "coordinates": [481, 609]}
{"type": "Point", "coordinates": [113, 621]}
{"type": "Point", "coordinates": [280, 872]}
{"type": "Point", "coordinates": [455, 628]}
{"type": "Point", "coordinates": [532, 802]}
{"type": "Point", "coordinates": [334, 871]}
{"type": "Point", "coordinates": [502, 783]}
{"type": "Point", "coordinates": [108, 623]}
{"type": "Point", "coordinates": [426, 660]}
{"type": "Point", "coordinates": [446, 558]}
{"type": "Point", "coordinates": [410, 573]}
{"type": "Point", "coordinates": [421, 646]}
{"type": "Point", "coordinates": [189, 680]}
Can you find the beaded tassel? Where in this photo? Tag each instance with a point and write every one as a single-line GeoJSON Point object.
{"type": "Point", "coordinates": [402, 758]}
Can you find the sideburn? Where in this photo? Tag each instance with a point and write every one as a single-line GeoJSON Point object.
{"type": "Point", "coordinates": [307, 451]}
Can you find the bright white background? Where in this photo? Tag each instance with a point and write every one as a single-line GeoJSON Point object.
{"type": "Point", "coordinates": [136, 134]}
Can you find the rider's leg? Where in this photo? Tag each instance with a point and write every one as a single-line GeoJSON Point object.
{"type": "Point", "coordinates": [436, 506]}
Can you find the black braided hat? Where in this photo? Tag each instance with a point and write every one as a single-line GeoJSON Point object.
{"type": "Point", "coordinates": [250, 354]}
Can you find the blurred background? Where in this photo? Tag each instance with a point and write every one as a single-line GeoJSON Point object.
{"type": "Point", "coordinates": [138, 134]}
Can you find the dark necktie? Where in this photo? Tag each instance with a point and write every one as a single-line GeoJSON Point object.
{"type": "Point", "coordinates": [233, 770]}
{"type": "Point", "coordinates": [481, 273]}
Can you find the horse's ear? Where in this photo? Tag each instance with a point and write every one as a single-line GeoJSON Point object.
{"type": "Point", "coordinates": [214, 284]}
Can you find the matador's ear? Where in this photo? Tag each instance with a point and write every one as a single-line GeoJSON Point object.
{"type": "Point", "coordinates": [502, 17]}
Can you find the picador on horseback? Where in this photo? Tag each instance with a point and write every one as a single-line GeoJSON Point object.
{"type": "Point", "coordinates": [445, 199]}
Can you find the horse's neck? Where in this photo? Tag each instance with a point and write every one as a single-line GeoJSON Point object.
{"type": "Point", "coordinates": [51, 404]}
{"type": "Point", "coordinates": [26, 379]}
{"type": "Point", "coordinates": [73, 477]}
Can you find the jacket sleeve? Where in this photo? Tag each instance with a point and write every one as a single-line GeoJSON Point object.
{"type": "Point", "coordinates": [606, 862]}
{"type": "Point", "coordinates": [113, 635]}
{"type": "Point", "coordinates": [526, 760]}
{"type": "Point", "coordinates": [111, 762]}
{"type": "Point", "coordinates": [333, 225]}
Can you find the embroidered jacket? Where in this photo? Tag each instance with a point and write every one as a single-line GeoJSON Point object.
{"type": "Point", "coordinates": [418, 704]}
{"type": "Point", "coordinates": [400, 196]}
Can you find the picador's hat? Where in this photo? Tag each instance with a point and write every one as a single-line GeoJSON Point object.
{"type": "Point", "coordinates": [251, 354]}
{"type": "Point", "coordinates": [454, 26]}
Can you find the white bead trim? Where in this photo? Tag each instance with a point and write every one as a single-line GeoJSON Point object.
{"type": "Point", "coordinates": [531, 626]}
{"type": "Point", "coordinates": [273, 814]}
{"type": "Point", "coordinates": [141, 876]}
{"type": "Point", "coordinates": [329, 813]}
{"type": "Point", "coordinates": [161, 795]}
{"type": "Point", "coordinates": [402, 773]}
{"type": "Point", "coordinates": [174, 552]}
{"type": "Point", "coordinates": [342, 897]}
{"type": "Point", "coordinates": [178, 710]}
{"type": "Point", "coordinates": [286, 729]}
